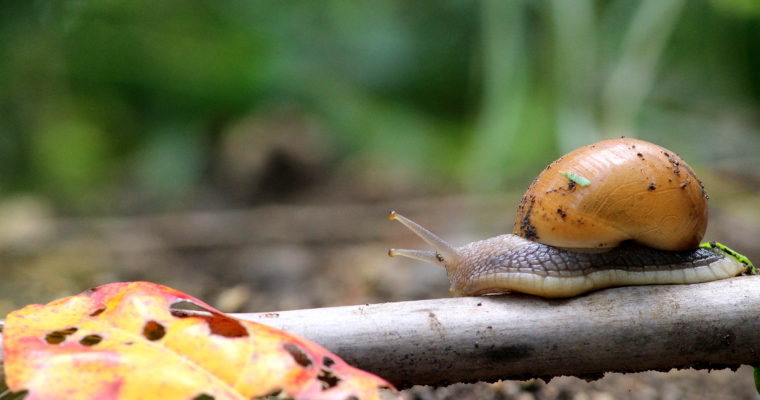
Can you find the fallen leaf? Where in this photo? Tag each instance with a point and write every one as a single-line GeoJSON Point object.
{"type": "Point", "coordinates": [123, 341]}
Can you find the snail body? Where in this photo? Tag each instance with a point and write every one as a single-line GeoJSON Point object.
{"type": "Point", "coordinates": [614, 213]}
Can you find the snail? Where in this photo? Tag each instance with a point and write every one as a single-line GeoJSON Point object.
{"type": "Point", "coordinates": [615, 213]}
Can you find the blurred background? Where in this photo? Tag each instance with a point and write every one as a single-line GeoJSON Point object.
{"type": "Point", "coordinates": [248, 152]}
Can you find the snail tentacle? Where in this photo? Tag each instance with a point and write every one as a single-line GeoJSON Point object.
{"type": "Point", "coordinates": [444, 252]}
{"type": "Point", "coordinates": [427, 256]}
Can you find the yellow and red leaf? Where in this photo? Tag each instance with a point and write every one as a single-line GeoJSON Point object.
{"type": "Point", "coordinates": [123, 341]}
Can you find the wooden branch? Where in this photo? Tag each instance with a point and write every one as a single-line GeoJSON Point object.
{"type": "Point", "coordinates": [710, 325]}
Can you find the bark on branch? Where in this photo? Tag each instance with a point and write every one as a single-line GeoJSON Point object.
{"type": "Point", "coordinates": [710, 325]}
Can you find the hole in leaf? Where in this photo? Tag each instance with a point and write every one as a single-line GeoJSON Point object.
{"type": "Point", "coordinates": [187, 309]}
{"type": "Point", "coordinates": [217, 324]}
{"type": "Point", "coordinates": [153, 330]}
{"type": "Point", "coordinates": [186, 305]}
{"type": "Point", "coordinates": [203, 396]}
{"type": "Point", "coordinates": [227, 327]}
{"type": "Point", "coordinates": [184, 313]}
{"type": "Point", "coordinates": [57, 337]}
{"type": "Point", "coordinates": [328, 378]}
{"type": "Point", "coordinates": [97, 312]}
{"type": "Point", "coordinates": [298, 354]}
{"type": "Point", "coordinates": [91, 340]}
{"type": "Point", "coordinates": [328, 362]}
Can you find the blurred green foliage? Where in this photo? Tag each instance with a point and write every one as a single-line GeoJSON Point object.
{"type": "Point", "coordinates": [104, 102]}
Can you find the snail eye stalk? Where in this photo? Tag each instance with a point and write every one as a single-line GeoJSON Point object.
{"type": "Point", "coordinates": [444, 252]}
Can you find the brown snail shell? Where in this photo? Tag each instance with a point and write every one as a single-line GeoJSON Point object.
{"type": "Point", "coordinates": [636, 191]}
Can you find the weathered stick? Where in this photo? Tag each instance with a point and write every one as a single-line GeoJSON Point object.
{"type": "Point", "coordinates": [710, 325]}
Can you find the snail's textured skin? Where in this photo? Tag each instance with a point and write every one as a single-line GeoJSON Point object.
{"type": "Point", "coordinates": [509, 263]}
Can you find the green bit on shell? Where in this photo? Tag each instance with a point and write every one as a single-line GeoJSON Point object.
{"type": "Point", "coordinates": [580, 180]}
